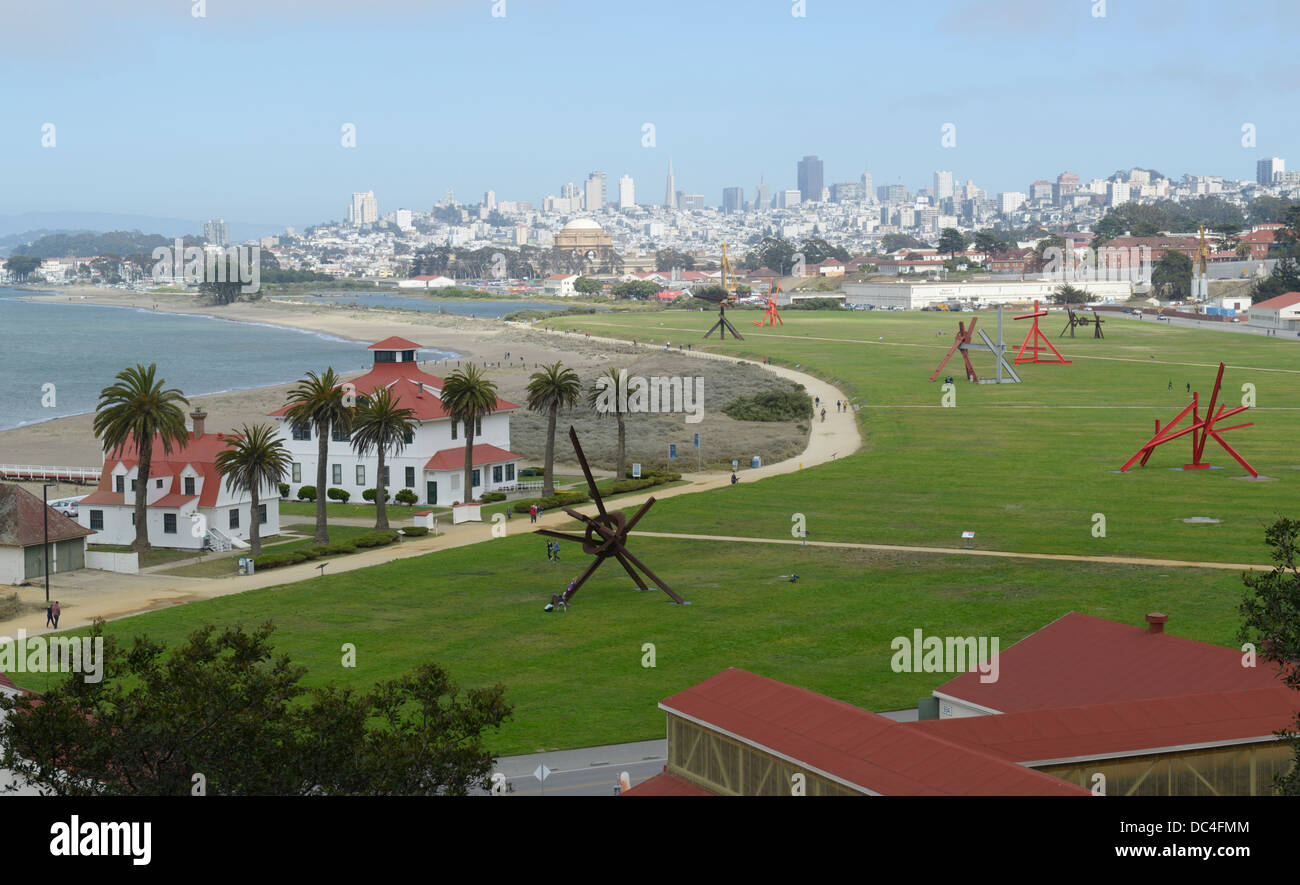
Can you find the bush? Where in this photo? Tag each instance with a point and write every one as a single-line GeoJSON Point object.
{"type": "Point", "coordinates": [284, 490]}
{"type": "Point", "coordinates": [407, 497]}
{"type": "Point", "coordinates": [491, 497]}
{"type": "Point", "coordinates": [371, 494]}
{"type": "Point", "coordinates": [307, 493]}
{"type": "Point", "coordinates": [376, 539]}
{"type": "Point", "coordinates": [342, 548]}
{"type": "Point", "coordinates": [338, 495]}
{"type": "Point", "coordinates": [415, 531]}
{"type": "Point", "coordinates": [532, 471]}
{"type": "Point", "coordinates": [771, 405]}
{"type": "Point", "coordinates": [559, 499]}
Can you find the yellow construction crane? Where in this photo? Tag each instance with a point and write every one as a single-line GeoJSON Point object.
{"type": "Point", "coordinates": [727, 272]}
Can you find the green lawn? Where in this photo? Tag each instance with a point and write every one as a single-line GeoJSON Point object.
{"type": "Point", "coordinates": [335, 510]}
{"type": "Point", "coordinates": [220, 567]}
{"type": "Point", "coordinates": [156, 556]}
{"type": "Point", "coordinates": [1025, 466]}
{"type": "Point", "coordinates": [576, 679]}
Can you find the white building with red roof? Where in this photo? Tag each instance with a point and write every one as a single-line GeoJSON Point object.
{"type": "Point", "coordinates": [187, 500]}
{"type": "Point", "coordinates": [1282, 312]}
{"type": "Point", "coordinates": [432, 462]}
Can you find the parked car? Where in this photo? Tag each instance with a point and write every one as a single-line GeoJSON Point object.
{"type": "Point", "coordinates": [67, 509]}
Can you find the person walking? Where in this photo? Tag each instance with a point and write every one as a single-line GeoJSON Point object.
{"type": "Point", "coordinates": [55, 611]}
{"type": "Point", "coordinates": [734, 479]}
{"type": "Point", "coordinates": [532, 513]}
{"type": "Point", "coordinates": [823, 416]}
{"type": "Point", "coordinates": [509, 512]}
{"type": "Point", "coordinates": [49, 615]}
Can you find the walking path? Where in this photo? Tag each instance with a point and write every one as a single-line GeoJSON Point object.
{"type": "Point", "coordinates": [87, 594]}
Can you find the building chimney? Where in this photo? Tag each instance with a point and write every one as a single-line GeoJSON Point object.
{"type": "Point", "coordinates": [198, 415]}
{"type": "Point", "coordinates": [1156, 622]}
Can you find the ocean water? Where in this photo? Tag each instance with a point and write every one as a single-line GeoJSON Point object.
{"type": "Point", "coordinates": [78, 348]}
{"type": "Point", "coordinates": [489, 309]}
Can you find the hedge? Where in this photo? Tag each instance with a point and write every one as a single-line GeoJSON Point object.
{"type": "Point", "coordinates": [492, 497]}
{"type": "Point", "coordinates": [415, 531]}
{"type": "Point", "coordinates": [342, 548]}
{"type": "Point", "coordinates": [307, 493]}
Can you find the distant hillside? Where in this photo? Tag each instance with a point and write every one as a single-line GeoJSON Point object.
{"type": "Point", "coordinates": [118, 242]}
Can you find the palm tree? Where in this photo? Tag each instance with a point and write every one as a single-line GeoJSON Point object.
{"type": "Point", "coordinates": [468, 396]}
{"type": "Point", "coordinates": [138, 408]}
{"type": "Point", "coordinates": [253, 458]}
{"type": "Point", "coordinates": [549, 390]}
{"type": "Point", "coordinates": [317, 402]}
{"type": "Point", "coordinates": [380, 425]}
{"type": "Point", "coordinates": [607, 391]}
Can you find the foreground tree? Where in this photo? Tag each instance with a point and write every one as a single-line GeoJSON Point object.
{"type": "Point", "coordinates": [253, 459]}
{"type": "Point", "coordinates": [224, 706]}
{"type": "Point", "coordinates": [1270, 610]}
{"type": "Point", "coordinates": [136, 409]}
{"type": "Point", "coordinates": [468, 395]}
{"type": "Point", "coordinates": [381, 426]}
{"type": "Point", "coordinates": [317, 402]}
{"type": "Point", "coordinates": [604, 397]}
{"type": "Point", "coordinates": [552, 389]}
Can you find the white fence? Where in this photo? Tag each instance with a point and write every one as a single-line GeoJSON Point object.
{"type": "Point", "coordinates": [37, 471]}
{"type": "Point", "coordinates": [122, 563]}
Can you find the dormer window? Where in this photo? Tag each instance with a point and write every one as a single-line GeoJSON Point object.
{"type": "Point", "coordinates": [189, 485]}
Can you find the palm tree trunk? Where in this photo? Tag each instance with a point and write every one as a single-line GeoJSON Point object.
{"type": "Point", "coordinates": [469, 461]}
{"type": "Point", "coordinates": [381, 508]}
{"type": "Point", "coordinates": [548, 486]}
{"type": "Point", "coordinates": [322, 455]}
{"type": "Point", "coordinates": [622, 447]}
{"type": "Point", "coordinates": [255, 527]}
{"type": "Point", "coordinates": [145, 451]}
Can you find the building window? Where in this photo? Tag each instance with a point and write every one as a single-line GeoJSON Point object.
{"type": "Point", "coordinates": [339, 433]}
{"type": "Point", "coordinates": [261, 513]}
{"type": "Point", "coordinates": [386, 476]}
{"type": "Point", "coordinates": [297, 472]}
{"type": "Point", "coordinates": [302, 431]}
{"type": "Point", "coordinates": [510, 473]}
{"type": "Point", "coordinates": [234, 518]}
{"type": "Point", "coordinates": [157, 484]}
{"type": "Point", "coordinates": [496, 473]}
{"type": "Point", "coordinates": [478, 426]}
{"type": "Point", "coordinates": [454, 425]}
{"type": "Point", "coordinates": [119, 483]}
{"type": "Point", "coordinates": [410, 477]}
{"type": "Point", "coordinates": [133, 484]}
{"type": "Point", "coordinates": [169, 523]}
{"type": "Point", "coordinates": [476, 481]}
{"type": "Point", "coordinates": [361, 475]}
{"type": "Point", "coordinates": [97, 520]}
{"type": "Point", "coordinates": [189, 485]}
{"type": "Point", "coordinates": [408, 437]}
{"type": "Point", "coordinates": [336, 474]}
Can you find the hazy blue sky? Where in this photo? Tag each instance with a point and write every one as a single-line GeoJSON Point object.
{"type": "Point", "coordinates": [238, 114]}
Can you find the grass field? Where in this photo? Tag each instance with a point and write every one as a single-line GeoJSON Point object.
{"type": "Point", "coordinates": [1025, 466]}
{"type": "Point", "coordinates": [576, 679]}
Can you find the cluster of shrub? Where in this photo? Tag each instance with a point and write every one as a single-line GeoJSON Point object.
{"type": "Point", "coordinates": [308, 493]}
{"type": "Point", "coordinates": [293, 557]}
{"type": "Point", "coordinates": [771, 405]}
{"type": "Point", "coordinates": [570, 498]}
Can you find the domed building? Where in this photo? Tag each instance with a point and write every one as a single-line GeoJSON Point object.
{"type": "Point", "coordinates": [586, 246]}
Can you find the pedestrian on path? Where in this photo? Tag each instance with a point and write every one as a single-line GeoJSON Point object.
{"type": "Point", "coordinates": [532, 513]}
{"type": "Point", "coordinates": [55, 611]}
{"type": "Point", "coordinates": [49, 615]}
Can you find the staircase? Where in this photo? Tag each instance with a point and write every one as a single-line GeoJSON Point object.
{"type": "Point", "coordinates": [219, 541]}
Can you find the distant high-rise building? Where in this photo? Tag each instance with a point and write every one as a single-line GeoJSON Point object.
{"type": "Point", "coordinates": [867, 189]}
{"type": "Point", "coordinates": [216, 232]}
{"type": "Point", "coordinates": [670, 191]}
{"type": "Point", "coordinates": [1139, 176]}
{"type": "Point", "coordinates": [788, 199]}
{"type": "Point", "coordinates": [847, 191]}
{"type": "Point", "coordinates": [733, 199]}
{"type": "Point", "coordinates": [626, 192]}
{"type": "Point", "coordinates": [1040, 191]}
{"type": "Point", "coordinates": [490, 200]}
{"type": "Point", "coordinates": [692, 202]}
{"type": "Point", "coordinates": [363, 210]}
{"type": "Point", "coordinates": [1067, 183]}
{"type": "Point", "coordinates": [595, 191]}
{"type": "Point", "coordinates": [1119, 192]}
{"type": "Point", "coordinates": [810, 179]}
{"type": "Point", "coordinates": [1265, 170]}
{"type": "Point", "coordinates": [762, 196]}
{"type": "Point", "coordinates": [402, 218]}
{"type": "Point", "coordinates": [569, 191]}
{"type": "Point", "coordinates": [892, 193]}
{"type": "Point", "coordinates": [1010, 201]}
{"type": "Point", "coordinates": [944, 185]}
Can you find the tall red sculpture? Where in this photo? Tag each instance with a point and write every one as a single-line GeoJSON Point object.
{"type": "Point", "coordinates": [1036, 342]}
{"type": "Point", "coordinates": [1201, 429]}
{"type": "Point", "coordinates": [771, 316]}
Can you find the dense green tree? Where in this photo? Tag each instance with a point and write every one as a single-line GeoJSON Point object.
{"type": "Point", "coordinates": [1285, 277]}
{"type": "Point", "coordinates": [254, 458]}
{"type": "Point", "coordinates": [1172, 275]}
{"type": "Point", "coordinates": [588, 286]}
{"type": "Point", "coordinates": [951, 241]}
{"type": "Point", "coordinates": [137, 409]}
{"type": "Point", "coordinates": [894, 242]}
{"type": "Point", "coordinates": [549, 390]}
{"type": "Point", "coordinates": [775, 253]}
{"type": "Point", "coordinates": [667, 260]}
{"type": "Point", "coordinates": [22, 266]}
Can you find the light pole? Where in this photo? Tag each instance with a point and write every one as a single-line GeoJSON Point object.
{"type": "Point", "coordinates": [45, 516]}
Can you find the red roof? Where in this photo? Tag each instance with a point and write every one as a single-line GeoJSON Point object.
{"type": "Point", "coordinates": [1080, 659]}
{"type": "Point", "coordinates": [665, 784]}
{"type": "Point", "coordinates": [412, 389]}
{"type": "Point", "coordinates": [851, 745]}
{"type": "Point", "coordinates": [1279, 302]}
{"type": "Point", "coordinates": [200, 452]}
{"type": "Point", "coordinates": [450, 459]}
{"type": "Point", "coordinates": [396, 343]}
{"type": "Point", "coordinates": [1040, 736]}
{"type": "Point", "coordinates": [22, 520]}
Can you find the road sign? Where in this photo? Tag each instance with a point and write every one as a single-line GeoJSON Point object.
{"type": "Point", "coordinates": [542, 773]}
{"type": "Point", "coordinates": [636, 471]}
{"type": "Point", "coordinates": [697, 440]}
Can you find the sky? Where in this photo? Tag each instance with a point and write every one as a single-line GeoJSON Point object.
{"type": "Point", "coordinates": [239, 113]}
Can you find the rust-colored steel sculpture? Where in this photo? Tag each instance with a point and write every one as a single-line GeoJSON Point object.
{"type": "Point", "coordinates": [605, 536]}
{"type": "Point", "coordinates": [1036, 342]}
{"type": "Point", "coordinates": [723, 325]}
{"type": "Point", "coordinates": [1201, 429]}
{"type": "Point", "coordinates": [771, 316]}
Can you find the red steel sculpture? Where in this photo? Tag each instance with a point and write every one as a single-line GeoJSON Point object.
{"type": "Point", "coordinates": [1202, 430]}
{"type": "Point", "coordinates": [1033, 339]}
{"type": "Point", "coordinates": [771, 316]}
{"type": "Point", "coordinates": [606, 535]}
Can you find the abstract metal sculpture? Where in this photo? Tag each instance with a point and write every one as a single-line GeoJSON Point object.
{"type": "Point", "coordinates": [723, 325]}
{"type": "Point", "coordinates": [964, 343]}
{"type": "Point", "coordinates": [771, 316]}
{"type": "Point", "coordinates": [1201, 429]}
{"type": "Point", "coordinates": [1032, 341]}
{"type": "Point", "coordinates": [605, 537]}
{"type": "Point", "coordinates": [1076, 320]}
